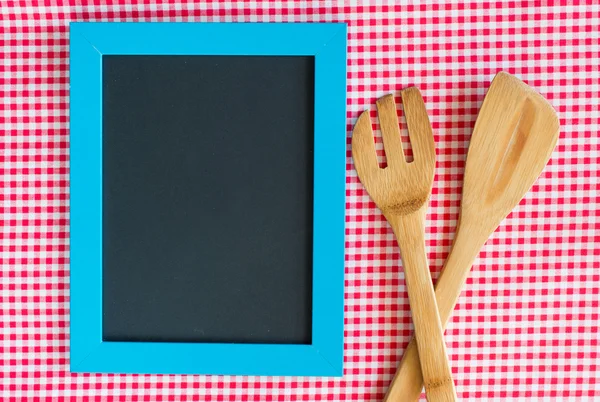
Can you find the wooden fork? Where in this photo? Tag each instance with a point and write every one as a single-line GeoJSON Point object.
{"type": "Point", "coordinates": [401, 191]}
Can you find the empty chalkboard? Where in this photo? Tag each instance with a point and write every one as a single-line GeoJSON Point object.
{"type": "Point", "coordinates": [207, 198]}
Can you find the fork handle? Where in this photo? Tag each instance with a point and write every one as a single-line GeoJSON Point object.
{"type": "Point", "coordinates": [437, 376]}
{"type": "Point", "coordinates": [407, 383]}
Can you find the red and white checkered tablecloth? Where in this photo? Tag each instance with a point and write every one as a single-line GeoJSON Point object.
{"type": "Point", "coordinates": [527, 324]}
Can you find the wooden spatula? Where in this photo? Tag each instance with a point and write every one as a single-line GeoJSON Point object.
{"type": "Point", "coordinates": [514, 135]}
{"type": "Point", "coordinates": [401, 191]}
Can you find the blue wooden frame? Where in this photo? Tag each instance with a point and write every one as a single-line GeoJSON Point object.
{"type": "Point", "coordinates": [89, 42]}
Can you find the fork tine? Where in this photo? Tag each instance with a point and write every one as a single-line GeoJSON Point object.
{"type": "Point", "coordinates": [363, 145]}
{"type": "Point", "coordinates": [419, 127]}
{"type": "Point", "coordinates": [390, 131]}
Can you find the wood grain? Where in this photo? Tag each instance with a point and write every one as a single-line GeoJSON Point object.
{"type": "Point", "coordinates": [401, 191]}
{"type": "Point", "coordinates": [513, 138]}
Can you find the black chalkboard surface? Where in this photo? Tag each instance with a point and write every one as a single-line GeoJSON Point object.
{"type": "Point", "coordinates": [207, 198]}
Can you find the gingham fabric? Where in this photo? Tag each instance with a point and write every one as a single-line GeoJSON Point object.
{"type": "Point", "coordinates": [527, 324]}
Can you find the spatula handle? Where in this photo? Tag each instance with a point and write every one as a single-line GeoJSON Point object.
{"type": "Point", "coordinates": [409, 230]}
{"type": "Point", "coordinates": [408, 380]}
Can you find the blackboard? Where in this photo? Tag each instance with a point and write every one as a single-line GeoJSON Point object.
{"type": "Point", "coordinates": [207, 198]}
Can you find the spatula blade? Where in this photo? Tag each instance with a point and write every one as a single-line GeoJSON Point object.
{"type": "Point", "coordinates": [517, 121]}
